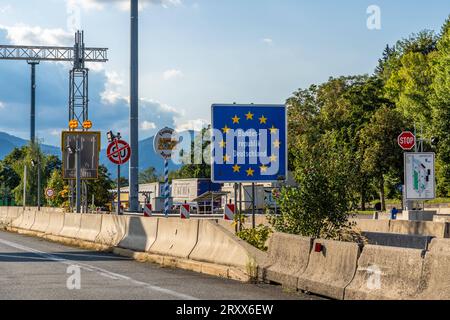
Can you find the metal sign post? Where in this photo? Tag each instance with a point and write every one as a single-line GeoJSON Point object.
{"type": "Point", "coordinates": [119, 153]}
{"type": "Point", "coordinates": [165, 142]}
{"type": "Point", "coordinates": [118, 191]}
{"type": "Point", "coordinates": [166, 187]}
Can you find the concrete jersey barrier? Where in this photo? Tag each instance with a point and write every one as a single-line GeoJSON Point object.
{"type": "Point", "coordinates": [386, 273]}
{"type": "Point", "coordinates": [112, 230]}
{"type": "Point", "coordinates": [56, 223]}
{"type": "Point", "coordinates": [372, 225]}
{"type": "Point", "coordinates": [330, 271]}
{"type": "Point", "coordinates": [3, 214]}
{"type": "Point", "coordinates": [71, 227]}
{"type": "Point", "coordinates": [412, 241]}
{"type": "Point", "coordinates": [176, 237]}
{"type": "Point", "coordinates": [14, 213]}
{"type": "Point", "coordinates": [16, 221]}
{"type": "Point", "coordinates": [41, 221]}
{"type": "Point", "coordinates": [90, 226]}
{"type": "Point", "coordinates": [218, 245]}
{"type": "Point", "coordinates": [140, 233]}
{"type": "Point", "coordinates": [426, 228]}
{"type": "Point", "coordinates": [27, 220]}
{"type": "Point", "coordinates": [435, 282]}
{"type": "Point", "coordinates": [288, 257]}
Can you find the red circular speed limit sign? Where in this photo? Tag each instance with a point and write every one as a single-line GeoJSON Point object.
{"type": "Point", "coordinates": [49, 193]}
{"type": "Point", "coordinates": [119, 152]}
{"type": "Point", "coordinates": [407, 140]}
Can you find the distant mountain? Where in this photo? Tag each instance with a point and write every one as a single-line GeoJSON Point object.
{"type": "Point", "coordinates": [147, 156]}
{"type": "Point", "coordinates": [9, 142]}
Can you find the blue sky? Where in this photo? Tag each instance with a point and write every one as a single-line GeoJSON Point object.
{"type": "Point", "coordinates": [194, 53]}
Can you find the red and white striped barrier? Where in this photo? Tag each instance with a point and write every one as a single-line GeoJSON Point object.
{"type": "Point", "coordinates": [185, 211]}
{"type": "Point", "coordinates": [148, 210]}
{"type": "Point", "coordinates": [230, 210]}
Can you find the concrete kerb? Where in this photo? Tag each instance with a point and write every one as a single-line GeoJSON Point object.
{"type": "Point", "coordinates": [41, 222]}
{"type": "Point", "coordinates": [386, 273]}
{"type": "Point", "coordinates": [288, 258]}
{"type": "Point", "coordinates": [90, 227]}
{"type": "Point", "coordinates": [435, 282]}
{"type": "Point", "coordinates": [218, 245]}
{"type": "Point", "coordinates": [112, 231]}
{"type": "Point", "coordinates": [331, 270]}
{"type": "Point", "coordinates": [140, 233]}
{"type": "Point", "coordinates": [72, 224]}
{"type": "Point", "coordinates": [176, 237]}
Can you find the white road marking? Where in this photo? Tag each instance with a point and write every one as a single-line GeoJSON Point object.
{"type": "Point", "coordinates": [100, 271]}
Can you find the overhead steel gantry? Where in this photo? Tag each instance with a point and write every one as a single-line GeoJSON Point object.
{"type": "Point", "coordinates": [78, 55]}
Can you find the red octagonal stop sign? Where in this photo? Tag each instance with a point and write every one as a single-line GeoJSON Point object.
{"type": "Point", "coordinates": [407, 140]}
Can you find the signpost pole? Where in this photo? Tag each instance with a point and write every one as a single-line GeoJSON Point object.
{"type": "Point", "coordinates": [235, 202]}
{"type": "Point", "coordinates": [253, 206]}
{"type": "Point", "coordinates": [240, 206]}
{"type": "Point", "coordinates": [118, 191]}
{"type": "Point", "coordinates": [166, 188]}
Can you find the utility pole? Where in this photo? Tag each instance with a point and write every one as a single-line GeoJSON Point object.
{"type": "Point", "coordinates": [134, 108]}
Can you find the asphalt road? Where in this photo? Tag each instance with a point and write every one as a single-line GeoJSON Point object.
{"type": "Point", "coordinates": [32, 268]}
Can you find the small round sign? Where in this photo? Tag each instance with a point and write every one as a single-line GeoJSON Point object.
{"type": "Point", "coordinates": [119, 152]}
{"type": "Point", "coordinates": [165, 142]}
{"type": "Point", "coordinates": [49, 193]}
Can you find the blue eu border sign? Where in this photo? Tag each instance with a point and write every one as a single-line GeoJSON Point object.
{"type": "Point", "coordinates": [249, 143]}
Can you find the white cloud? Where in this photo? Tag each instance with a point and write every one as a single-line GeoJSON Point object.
{"type": "Point", "coordinates": [5, 9]}
{"type": "Point", "coordinates": [2, 105]}
{"type": "Point", "coordinates": [22, 34]}
{"type": "Point", "coordinates": [122, 4]}
{"type": "Point", "coordinates": [268, 41]}
{"type": "Point", "coordinates": [195, 124]}
{"type": "Point", "coordinates": [113, 85]}
{"type": "Point", "coordinates": [147, 125]}
{"type": "Point", "coordinates": [172, 74]}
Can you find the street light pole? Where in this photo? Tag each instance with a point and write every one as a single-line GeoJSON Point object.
{"type": "Point", "coordinates": [39, 182]}
{"type": "Point", "coordinates": [134, 108]}
{"type": "Point", "coordinates": [78, 176]}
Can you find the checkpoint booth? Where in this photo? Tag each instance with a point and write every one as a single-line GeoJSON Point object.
{"type": "Point", "coordinates": [211, 202]}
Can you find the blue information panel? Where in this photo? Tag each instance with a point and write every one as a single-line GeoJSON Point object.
{"type": "Point", "coordinates": [249, 143]}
